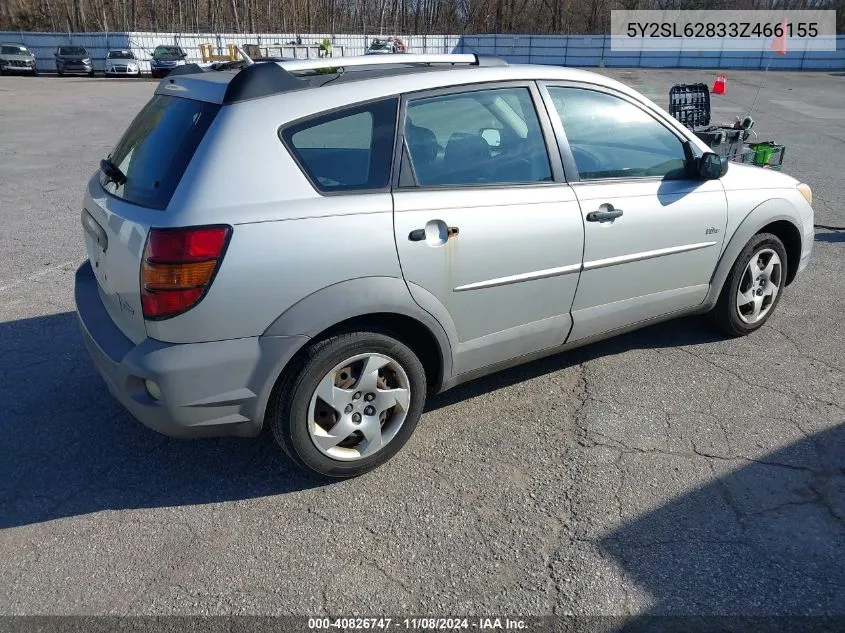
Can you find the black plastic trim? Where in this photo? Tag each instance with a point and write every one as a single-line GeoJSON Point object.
{"type": "Point", "coordinates": [486, 61]}
{"type": "Point", "coordinates": [260, 80]}
{"type": "Point", "coordinates": [185, 69]}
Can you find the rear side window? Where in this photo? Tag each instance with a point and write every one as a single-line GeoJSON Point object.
{"type": "Point", "coordinates": [156, 148]}
{"type": "Point", "coordinates": [346, 150]}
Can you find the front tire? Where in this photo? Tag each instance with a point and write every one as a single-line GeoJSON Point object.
{"type": "Point", "coordinates": [348, 403]}
{"type": "Point", "coordinates": [753, 287]}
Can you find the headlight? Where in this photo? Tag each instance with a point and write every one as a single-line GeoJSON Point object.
{"type": "Point", "coordinates": [86, 61]}
{"type": "Point", "coordinates": [806, 192]}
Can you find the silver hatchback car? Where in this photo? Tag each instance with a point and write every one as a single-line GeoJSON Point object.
{"type": "Point", "coordinates": [319, 244]}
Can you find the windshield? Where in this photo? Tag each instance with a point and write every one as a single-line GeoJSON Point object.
{"type": "Point", "coordinates": [167, 51]}
{"type": "Point", "coordinates": [121, 55]}
{"type": "Point", "coordinates": [14, 50]}
{"type": "Point", "coordinates": [156, 148]}
{"type": "Point", "coordinates": [73, 50]}
{"type": "Point", "coordinates": [379, 46]}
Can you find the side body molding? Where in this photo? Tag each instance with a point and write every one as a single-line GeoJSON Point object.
{"type": "Point", "coordinates": [362, 296]}
{"type": "Point", "coordinates": [772, 210]}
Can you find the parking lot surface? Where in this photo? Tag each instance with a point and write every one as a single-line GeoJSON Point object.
{"type": "Point", "coordinates": [665, 471]}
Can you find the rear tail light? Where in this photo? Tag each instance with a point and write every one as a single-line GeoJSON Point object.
{"type": "Point", "coordinates": [178, 268]}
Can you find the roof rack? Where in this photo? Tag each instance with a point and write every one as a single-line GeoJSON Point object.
{"type": "Point", "coordinates": [389, 59]}
{"type": "Point", "coordinates": [264, 79]}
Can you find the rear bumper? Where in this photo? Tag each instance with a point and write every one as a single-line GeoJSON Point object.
{"type": "Point", "coordinates": [207, 389]}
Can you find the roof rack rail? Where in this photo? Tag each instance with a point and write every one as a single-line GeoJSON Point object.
{"type": "Point", "coordinates": [389, 59]}
{"type": "Point", "coordinates": [261, 80]}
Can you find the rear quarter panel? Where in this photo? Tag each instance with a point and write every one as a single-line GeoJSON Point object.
{"type": "Point", "coordinates": [288, 241]}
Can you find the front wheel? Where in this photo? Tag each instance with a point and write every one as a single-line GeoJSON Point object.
{"type": "Point", "coordinates": [349, 403]}
{"type": "Point", "coordinates": [753, 287]}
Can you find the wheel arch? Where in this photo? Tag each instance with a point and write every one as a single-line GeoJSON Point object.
{"type": "Point", "coordinates": [382, 303]}
{"type": "Point", "coordinates": [776, 216]}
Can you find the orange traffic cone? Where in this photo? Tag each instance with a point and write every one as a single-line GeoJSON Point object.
{"type": "Point", "coordinates": [719, 87]}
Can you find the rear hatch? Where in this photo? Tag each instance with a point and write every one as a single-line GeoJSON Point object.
{"type": "Point", "coordinates": [130, 194]}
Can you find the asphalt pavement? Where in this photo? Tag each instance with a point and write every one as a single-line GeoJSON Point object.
{"type": "Point", "coordinates": [667, 471]}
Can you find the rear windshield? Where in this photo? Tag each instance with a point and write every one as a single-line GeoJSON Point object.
{"type": "Point", "coordinates": [156, 148]}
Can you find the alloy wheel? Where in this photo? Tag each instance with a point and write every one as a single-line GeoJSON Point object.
{"type": "Point", "coordinates": [759, 286]}
{"type": "Point", "coordinates": [359, 407]}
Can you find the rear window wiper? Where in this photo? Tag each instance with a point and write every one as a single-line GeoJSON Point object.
{"type": "Point", "coordinates": [112, 171]}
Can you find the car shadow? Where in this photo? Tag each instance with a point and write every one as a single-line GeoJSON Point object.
{"type": "Point", "coordinates": [765, 539]}
{"type": "Point", "coordinates": [71, 449]}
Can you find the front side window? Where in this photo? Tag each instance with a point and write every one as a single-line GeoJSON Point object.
{"type": "Point", "coordinates": [348, 150]}
{"type": "Point", "coordinates": [612, 138]}
{"type": "Point", "coordinates": [484, 137]}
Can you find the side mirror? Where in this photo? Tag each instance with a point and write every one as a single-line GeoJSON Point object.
{"type": "Point", "coordinates": [712, 166]}
{"type": "Point", "coordinates": [492, 136]}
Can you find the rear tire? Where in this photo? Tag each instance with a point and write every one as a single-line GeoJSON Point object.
{"type": "Point", "coordinates": [377, 386]}
{"type": "Point", "coordinates": [753, 287]}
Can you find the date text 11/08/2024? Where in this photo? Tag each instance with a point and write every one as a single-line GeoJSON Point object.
{"type": "Point", "coordinates": [418, 624]}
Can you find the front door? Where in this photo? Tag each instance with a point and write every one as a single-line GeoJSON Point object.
{"type": "Point", "coordinates": [483, 223]}
{"type": "Point", "coordinates": [652, 233]}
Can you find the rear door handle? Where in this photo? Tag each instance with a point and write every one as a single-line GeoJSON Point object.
{"type": "Point", "coordinates": [605, 213]}
{"type": "Point", "coordinates": [418, 235]}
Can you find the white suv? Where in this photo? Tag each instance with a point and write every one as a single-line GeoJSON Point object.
{"type": "Point", "coordinates": [319, 244]}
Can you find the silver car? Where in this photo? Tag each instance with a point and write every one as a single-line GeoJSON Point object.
{"type": "Point", "coordinates": [17, 58]}
{"type": "Point", "coordinates": [318, 250]}
{"type": "Point", "coordinates": [121, 62]}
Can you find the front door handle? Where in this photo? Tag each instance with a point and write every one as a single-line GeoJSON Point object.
{"type": "Point", "coordinates": [605, 213]}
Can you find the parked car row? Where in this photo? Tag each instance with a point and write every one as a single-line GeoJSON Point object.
{"type": "Point", "coordinates": [119, 62]}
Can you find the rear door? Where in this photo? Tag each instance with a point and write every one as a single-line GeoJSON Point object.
{"type": "Point", "coordinates": [152, 155]}
{"type": "Point", "coordinates": [653, 233]}
{"type": "Point", "coordinates": [484, 222]}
